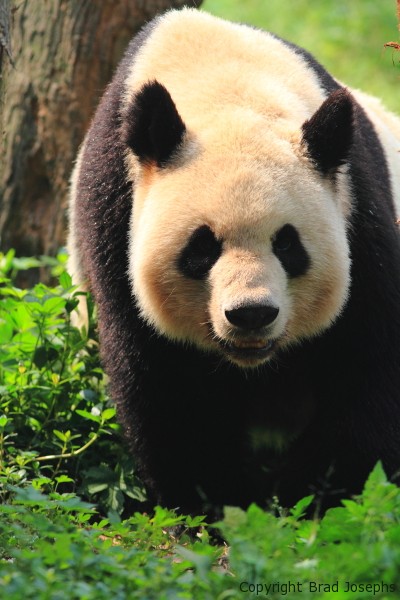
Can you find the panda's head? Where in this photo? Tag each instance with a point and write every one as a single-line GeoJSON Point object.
{"type": "Point", "coordinates": [238, 234]}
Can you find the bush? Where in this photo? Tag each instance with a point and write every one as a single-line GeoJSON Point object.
{"type": "Point", "coordinates": [55, 416]}
{"type": "Point", "coordinates": [49, 551]}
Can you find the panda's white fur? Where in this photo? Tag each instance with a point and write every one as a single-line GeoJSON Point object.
{"type": "Point", "coordinates": [244, 119]}
{"type": "Point", "coordinates": [244, 166]}
{"type": "Point", "coordinates": [79, 317]}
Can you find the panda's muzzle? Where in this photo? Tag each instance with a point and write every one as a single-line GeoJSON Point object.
{"type": "Point", "coordinates": [250, 342]}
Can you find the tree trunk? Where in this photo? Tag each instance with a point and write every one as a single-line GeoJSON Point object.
{"type": "Point", "coordinates": [64, 53]}
{"type": "Point", "coordinates": [5, 59]}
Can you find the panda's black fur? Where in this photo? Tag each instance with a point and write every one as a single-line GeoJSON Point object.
{"type": "Point", "coordinates": [185, 412]}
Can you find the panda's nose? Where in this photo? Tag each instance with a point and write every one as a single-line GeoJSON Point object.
{"type": "Point", "coordinates": [253, 316]}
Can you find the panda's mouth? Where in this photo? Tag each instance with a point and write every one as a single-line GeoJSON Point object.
{"type": "Point", "coordinates": [248, 351]}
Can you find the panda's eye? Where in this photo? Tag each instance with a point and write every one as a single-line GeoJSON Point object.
{"type": "Point", "coordinates": [200, 253]}
{"type": "Point", "coordinates": [288, 248]}
{"type": "Point", "coordinates": [284, 239]}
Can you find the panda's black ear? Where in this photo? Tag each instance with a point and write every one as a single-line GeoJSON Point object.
{"type": "Point", "coordinates": [152, 127]}
{"type": "Point", "coordinates": [328, 135]}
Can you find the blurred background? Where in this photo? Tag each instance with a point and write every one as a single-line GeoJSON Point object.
{"type": "Point", "coordinates": [346, 37]}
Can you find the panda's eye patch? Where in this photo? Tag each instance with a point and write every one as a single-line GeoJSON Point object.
{"type": "Point", "coordinates": [288, 248]}
{"type": "Point", "coordinates": [200, 253]}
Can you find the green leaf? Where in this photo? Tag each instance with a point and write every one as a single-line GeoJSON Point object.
{"type": "Point", "coordinates": [6, 331]}
{"type": "Point", "coordinates": [88, 415]}
{"type": "Point", "coordinates": [22, 317]}
{"type": "Point", "coordinates": [54, 306]}
{"type": "Point", "coordinates": [65, 280]}
{"type": "Point", "coordinates": [64, 479]}
{"type": "Point", "coordinates": [108, 413]}
{"type": "Point", "coordinates": [202, 563]}
{"type": "Point", "coordinates": [70, 305]}
{"type": "Point", "coordinates": [29, 495]}
{"type": "Point", "coordinates": [376, 477]}
{"type": "Point", "coordinates": [61, 436]}
{"type": "Point", "coordinates": [301, 506]}
{"type": "Point", "coordinates": [26, 262]}
{"type": "Point", "coordinates": [39, 482]}
{"type": "Point", "coordinates": [95, 488]}
{"type": "Point", "coordinates": [195, 521]}
{"type": "Point", "coordinates": [6, 260]}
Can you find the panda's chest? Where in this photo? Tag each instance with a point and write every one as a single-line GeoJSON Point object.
{"type": "Point", "coordinates": [278, 415]}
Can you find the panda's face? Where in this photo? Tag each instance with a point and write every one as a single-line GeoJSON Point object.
{"type": "Point", "coordinates": [239, 246]}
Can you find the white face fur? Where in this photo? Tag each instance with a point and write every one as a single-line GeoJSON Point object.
{"type": "Point", "coordinates": [245, 194]}
{"type": "Point", "coordinates": [242, 175]}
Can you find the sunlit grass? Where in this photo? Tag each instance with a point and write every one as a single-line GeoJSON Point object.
{"type": "Point", "coordinates": [346, 37]}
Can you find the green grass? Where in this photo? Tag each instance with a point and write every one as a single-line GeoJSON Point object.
{"type": "Point", "coordinates": [346, 36]}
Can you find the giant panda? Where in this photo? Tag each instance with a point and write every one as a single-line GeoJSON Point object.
{"type": "Point", "coordinates": [234, 213]}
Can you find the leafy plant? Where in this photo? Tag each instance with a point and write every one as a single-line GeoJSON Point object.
{"type": "Point", "coordinates": [49, 551]}
{"type": "Point", "coordinates": [53, 547]}
{"type": "Point", "coordinates": [55, 416]}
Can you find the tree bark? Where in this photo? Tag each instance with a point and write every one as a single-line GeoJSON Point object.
{"type": "Point", "coordinates": [64, 53]}
{"type": "Point", "coordinates": [5, 59]}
